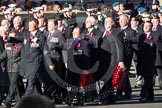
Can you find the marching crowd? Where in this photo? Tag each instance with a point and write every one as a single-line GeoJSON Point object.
{"type": "Point", "coordinates": [50, 52]}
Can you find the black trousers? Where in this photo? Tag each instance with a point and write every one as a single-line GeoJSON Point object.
{"type": "Point", "coordinates": [126, 87]}
{"type": "Point", "coordinates": [147, 88]}
{"type": "Point", "coordinates": [31, 87]}
{"type": "Point", "coordinates": [53, 89]}
{"type": "Point", "coordinates": [13, 88]}
{"type": "Point", "coordinates": [107, 92]}
{"type": "Point", "coordinates": [21, 85]}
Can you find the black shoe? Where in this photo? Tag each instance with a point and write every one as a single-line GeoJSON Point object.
{"type": "Point", "coordinates": [107, 101]}
{"type": "Point", "coordinates": [8, 104]}
{"type": "Point", "coordinates": [119, 97]}
{"type": "Point", "coordinates": [128, 96]}
{"type": "Point", "coordinates": [150, 98]}
{"type": "Point", "coordinates": [143, 99]}
{"type": "Point", "coordinates": [58, 101]}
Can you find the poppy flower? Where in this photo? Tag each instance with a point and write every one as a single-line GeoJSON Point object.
{"type": "Point", "coordinates": [78, 45]}
{"type": "Point", "coordinates": [109, 33]}
{"type": "Point", "coordinates": [31, 37]}
{"type": "Point", "coordinates": [15, 47]}
{"type": "Point", "coordinates": [21, 29]}
{"type": "Point", "coordinates": [90, 35]}
{"type": "Point", "coordinates": [63, 30]}
{"type": "Point", "coordinates": [149, 37]}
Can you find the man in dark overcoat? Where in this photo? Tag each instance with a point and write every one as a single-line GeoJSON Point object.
{"type": "Point", "coordinates": [126, 31]}
{"type": "Point", "coordinates": [111, 55]}
{"type": "Point", "coordinates": [33, 42]}
{"type": "Point", "coordinates": [54, 42]}
{"type": "Point", "coordinates": [78, 65]}
{"type": "Point", "coordinates": [4, 78]}
{"type": "Point", "coordinates": [158, 28]}
{"type": "Point", "coordinates": [148, 43]}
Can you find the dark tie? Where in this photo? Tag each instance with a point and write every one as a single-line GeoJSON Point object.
{"type": "Point", "coordinates": [145, 37]}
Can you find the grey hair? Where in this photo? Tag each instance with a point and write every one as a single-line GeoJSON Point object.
{"type": "Point", "coordinates": [92, 19]}
{"type": "Point", "coordinates": [19, 17]}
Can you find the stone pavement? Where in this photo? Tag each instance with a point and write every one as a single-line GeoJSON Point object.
{"type": "Point", "coordinates": [133, 103]}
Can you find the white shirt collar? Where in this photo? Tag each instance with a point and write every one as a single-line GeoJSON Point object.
{"type": "Point", "coordinates": [34, 32]}
{"type": "Point", "coordinates": [105, 32]}
{"type": "Point", "coordinates": [108, 29]}
{"type": "Point", "coordinates": [42, 28]}
{"type": "Point", "coordinates": [90, 30]}
{"type": "Point", "coordinates": [148, 33]}
{"type": "Point", "coordinates": [60, 28]}
{"type": "Point", "coordinates": [124, 27]}
{"type": "Point", "coordinates": [135, 28]}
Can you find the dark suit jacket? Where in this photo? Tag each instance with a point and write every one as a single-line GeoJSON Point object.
{"type": "Point", "coordinates": [147, 53]}
{"type": "Point", "coordinates": [32, 61]}
{"type": "Point", "coordinates": [96, 34]}
{"type": "Point", "coordinates": [79, 59]}
{"type": "Point", "coordinates": [68, 32]}
{"type": "Point", "coordinates": [20, 32]}
{"type": "Point", "coordinates": [111, 52]}
{"type": "Point", "coordinates": [135, 45]}
{"type": "Point", "coordinates": [100, 27]}
{"type": "Point", "coordinates": [128, 50]}
{"type": "Point", "coordinates": [1, 50]}
{"type": "Point", "coordinates": [158, 62]}
{"type": "Point", "coordinates": [55, 42]}
{"type": "Point", "coordinates": [4, 79]}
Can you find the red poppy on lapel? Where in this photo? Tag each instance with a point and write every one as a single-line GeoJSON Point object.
{"type": "Point", "coordinates": [31, 37]}
{"type": "Point", "coordinates": [149, 37]}
{"type": "Point", "coordinates": [78, 45]}
{"type": "Point", "coordinates": [90, 35]}
{"type": "Point", "coordinates": [15, 47]}
{"type": "Point", "coordinates": [21, 29]}
{"type": "Point", "coordinates": [109, 33]}
{"type": "Point", "coordinates": [63, 30]}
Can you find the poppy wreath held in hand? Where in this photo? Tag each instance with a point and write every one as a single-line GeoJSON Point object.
{"type": "Point", "coordinates": [118, 77]}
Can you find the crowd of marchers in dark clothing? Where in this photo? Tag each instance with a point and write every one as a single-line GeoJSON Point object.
{"type": "Point", "coordinates": [51, 52]}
